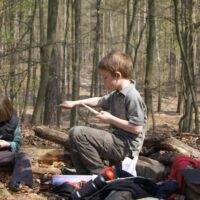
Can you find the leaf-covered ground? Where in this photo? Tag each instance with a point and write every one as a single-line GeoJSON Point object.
{"type": "Point", "coordinates": [166, 121]}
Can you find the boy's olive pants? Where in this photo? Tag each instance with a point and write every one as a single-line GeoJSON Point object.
{"type": "Point", "coordinates": [90, 148]}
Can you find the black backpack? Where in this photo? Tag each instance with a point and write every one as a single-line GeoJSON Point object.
{"type": "Point", "coordinates": [124, 188]}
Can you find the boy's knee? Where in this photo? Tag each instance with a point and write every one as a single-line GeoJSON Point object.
{"type": "Point", "coordinates": [76, 132]}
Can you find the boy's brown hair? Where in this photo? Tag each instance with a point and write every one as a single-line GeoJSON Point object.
{"type": "Point", "coordinates": [117, 61]}
{"type": "Point", "coordinates": [6, 108]}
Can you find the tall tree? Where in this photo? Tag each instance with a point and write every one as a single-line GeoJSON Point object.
{"type": "Point", "coordinates": [52, 91]}
{"type": "Point", "coordinates": [46, 53]}
{"type": "Point", "coordinates": [12, 46]}
{"type": "Point", "coordinates": [150, 57]}
{"type": "Point", "coordinates": [185, 41]}
{"type": "Point", "coordinates": [95, 74]}
{"type": "Point", "coordinates": [65, 65]}
{"type": "Point", "coordinates": [130, 24]}
{"type": "Point", "coordinates": [76, 60]}
{"type": "Point", "coordinates": [31, 27]}
{"type": "Point", "coordinates": [44, 71]}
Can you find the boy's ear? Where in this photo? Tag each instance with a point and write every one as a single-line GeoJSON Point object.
{"type": "Point", "coordinates": [118, 75]}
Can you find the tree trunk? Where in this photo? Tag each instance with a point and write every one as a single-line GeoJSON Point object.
{"type": "Point", "coordinates": [64, 69]}
{"type": "Point", "coordinates": [159, 72]}
{"type": "Point", "coordinates": [186, 47]}
{"type": "Point", "coordinates": [29, 63]}
{"type": "Point", "coordinates": [52, 90]}
{"type": "Point", "coordinates": [151, 145]}
{"type": "Point", "coordinates": [150, 56]}
{"type": "Point", "coordinates": [95, 73]}
{"type": "Point", "coordinates": [76, 61]}
{"type": "Point", "coordinates": [44, 71]}
{"type": "Point", "coordinates": [53, 135]}
{"type": "Point", "coordinates": [136, 50]}
{"type": "Point", "coordinates": [12, 56]}
{"type": "Point", "coordinates": [130, 25]}
{"type": "Point", "coordinates": [47, 156]}
{"type": "Point", "coordinates": [179, 104]}
{"type": "Point", "coordinates": [170, 143]}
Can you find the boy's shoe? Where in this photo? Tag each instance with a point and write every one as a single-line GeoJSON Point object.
{"type": "Point", "coordinates": [15, 187]}
{"type": "Point", "coordinates": [68, 171]}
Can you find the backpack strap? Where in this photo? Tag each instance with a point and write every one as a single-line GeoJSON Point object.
{"type": "Point", "coordinates": [66, 188]}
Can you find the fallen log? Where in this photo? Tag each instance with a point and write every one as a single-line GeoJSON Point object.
{"type": "Point", "coordinates": [47, 156]}
{"type": "Point", "coordinates": [170, 143]}
{"type": "Point", "coordinates": [52, 135]}
{"type": "Point", "coordinates": [158, 142]}
{"type": "Point", "coordinates": [40, 171]}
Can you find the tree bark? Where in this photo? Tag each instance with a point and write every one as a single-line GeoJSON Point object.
{"type": "Point", "coordinates": [76, 61]}
{"type": "Point", "coordinates": [52, 89]}
{"type": "Point", "coordinates": [130, 25]}
{"type": "Point", "coordinates": [150, 56]}
{"type": "Point", "coordinates": [95, 74]}
{"type": "Point", "coordinates": [161, 142]}
{"type": "Point", "coordinates": [44, 71]}
{"type": "Point", "coordinates": [47, 156]}
{"type": "Point", "coordinates": [170, 143]}
{"type": "Point", "coordinates": [186, 49]}
{"type": "Point", "coordinates": [29, 61]}
{"type": "Point", "coordinates": [52, 135]}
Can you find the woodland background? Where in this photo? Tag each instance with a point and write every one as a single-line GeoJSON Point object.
{"type": "Point", "coordinates": [49, 52]}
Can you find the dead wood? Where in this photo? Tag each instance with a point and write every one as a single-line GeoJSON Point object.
{"type": "Point", "coordinates": [170, 143]}
{"type": "Point", "coordinates": [153, 143]}
{"type": "Point", "coordinates": [52, 135]}
{"type": "Point", "coordinates": [40, 171]}
{"type": "Point", "coordinates": [164, 157]}
{"type": "Point", "coordinates": [47, 156]}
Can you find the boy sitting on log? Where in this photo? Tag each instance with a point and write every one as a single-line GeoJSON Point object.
{"type": "Point", "coordinates": [127, 116]}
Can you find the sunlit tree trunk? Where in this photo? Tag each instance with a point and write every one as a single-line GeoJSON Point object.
{"type": "Point", "coordinates": [52, 90]}
{"type": "Point", "coordinates": [76, 61]}
{"type": "Point", "coordinates": [64, 72]}
{"type": "Point", "coordinates": [185, 42]}
{"type": "Point", "coordinates": [46, 49]}
{"type": "Point", "coordinates": [95, 74]}
{"type": "Point", "coordinates": [130, 24]}
{"type": "Point", "coordinates": [12, 56]}
{"type": "Point", "coordinates": [29, 62]}
{"type": "Point", "coordinates": [159, 71]}
{"type": "Point", "coordinates": [44, 72]}
{"type": "Point", "coordinates": [150, 57]}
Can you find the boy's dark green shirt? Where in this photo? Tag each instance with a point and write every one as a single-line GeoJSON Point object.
{"type": "Point", "coordinates": [127, 104]}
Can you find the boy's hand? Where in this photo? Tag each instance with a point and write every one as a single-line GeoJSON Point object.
{"type": "Point", "coordinates": [67, 104]}
{"type": "Point", "coordinates": [4, 144]}
{"type": "Point", "coordinates": [104, 116]}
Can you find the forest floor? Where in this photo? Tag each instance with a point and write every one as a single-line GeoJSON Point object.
{"type": "Point", "coordinates": [166, 121]}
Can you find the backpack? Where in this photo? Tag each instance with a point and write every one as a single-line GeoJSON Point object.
{"type": "Point", "coordinates": [123, 187]}
{"type": "Point", "coordinates": [128, 187]}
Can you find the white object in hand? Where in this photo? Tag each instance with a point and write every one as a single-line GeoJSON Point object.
{"type": "Point", "coordinates": [90, 109]}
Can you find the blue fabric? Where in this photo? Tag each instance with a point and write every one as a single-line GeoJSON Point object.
{"type": "Point", "coordinates": [192, 176]}
{"type": "Point", "coordinates": [8, 127]}
{"type": "Point", "coordinates": [122, 174]}
{"type": "Point", "coordinates": [166, 189]}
